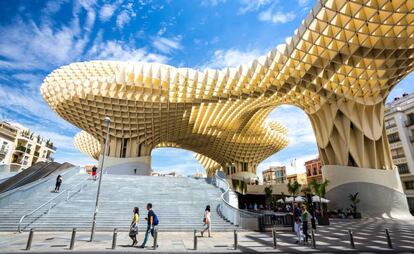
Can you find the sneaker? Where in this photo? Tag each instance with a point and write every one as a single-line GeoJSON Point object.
{"type": "Point", "coordinates": [141, 246]}
{"type": "Point", "coordinates": [296, 242]}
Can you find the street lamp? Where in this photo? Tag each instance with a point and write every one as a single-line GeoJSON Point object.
{"type": "Point", "coordinates": [107, 120]}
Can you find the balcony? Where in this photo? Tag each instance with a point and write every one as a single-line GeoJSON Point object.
{"type": "Point", "coordinates": [36, 154]}
{"type": "Point", "coordinates": [22, 149]}
{"type": "Point", "coordinates": [389, 126]}
{"type": "Point", "coordinates": [398, 156]}
{"type": "Point", "coordinates": [394, 140]}
{"type": "Point", "coordinates": [409, 122]}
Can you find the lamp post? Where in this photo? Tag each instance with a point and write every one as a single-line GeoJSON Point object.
{"type": "Point", "coordinates": [107, 120]}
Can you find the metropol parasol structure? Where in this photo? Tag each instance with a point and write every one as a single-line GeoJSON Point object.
{"type": "Point", "coordinates": [338, 67]}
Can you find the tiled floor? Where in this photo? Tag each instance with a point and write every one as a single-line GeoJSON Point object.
{"type": "Point", "coordinates": [369, 237]}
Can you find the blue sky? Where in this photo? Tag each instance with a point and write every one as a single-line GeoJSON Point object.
{"type": "Point", "coordinates": [39, 36]}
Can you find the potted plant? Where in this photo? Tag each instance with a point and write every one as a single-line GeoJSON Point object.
{"type": "Point", "coordinates": [353, 198]}
{"type": "Point", "coordinates": [319, 189]}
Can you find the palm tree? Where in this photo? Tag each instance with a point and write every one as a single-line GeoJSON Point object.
{"type": "Point", "coordinates": [268, 194]}
{"type": "Point", "coordinates": [294, 188]}
{"type": "Point", "coordinates": [319, 189]}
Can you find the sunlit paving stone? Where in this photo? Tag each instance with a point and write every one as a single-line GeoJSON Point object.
{"type": "Point", "coordinates": [341, 248]}
{"type": "Point", "coordinates": [376, 247]}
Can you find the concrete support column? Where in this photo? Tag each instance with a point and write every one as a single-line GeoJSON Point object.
{"type": "Point", "coordinates": [352, 134]}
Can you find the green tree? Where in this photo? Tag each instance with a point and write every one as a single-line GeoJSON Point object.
{"type": "Point", "coordinates": [319, 189]}
{"type": "Point", "coordinates": [268, 194]}
{"type": "Point", "coordinates": [293, 188]}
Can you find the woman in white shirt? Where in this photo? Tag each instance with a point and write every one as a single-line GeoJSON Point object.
{"type": "Point", "coordinates": [207, 221]}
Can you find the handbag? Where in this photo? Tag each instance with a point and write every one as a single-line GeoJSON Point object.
{"type": "Point", "coordinates": [133, 230]}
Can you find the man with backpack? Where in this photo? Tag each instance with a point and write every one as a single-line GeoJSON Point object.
{"type": "Point", "coordinates": [152, 220]}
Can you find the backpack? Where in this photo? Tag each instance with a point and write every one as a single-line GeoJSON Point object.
{"type": "Point", "coordinates": [155, 220]}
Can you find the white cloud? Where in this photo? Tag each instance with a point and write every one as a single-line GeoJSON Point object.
{"type": "Point", "coordinates": [298, 123]}
{"type": "Point", "coordinates": [303, 3]}
{"type": "Point", "coordinates": [107, 12]}
{"type": "Point", "coordinates": [115, 50]}
{"type": "Point", "coordinates": [167, 45]}
{"type": "Point", "coordinates": [212, 2]}
{"type": "Point", "coordinates": [125, 16]}
{"type": "Point", "coordinates": [231, 58]}
{"type": "Point", "coordinates": [122, 19]}
{"type": "Point", "coordinates": [277, 17]}
{"type": "Point", "coordinates": [251, 5]}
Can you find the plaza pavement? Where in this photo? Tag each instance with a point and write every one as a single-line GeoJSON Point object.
{"type": "Point", "coordinates": [369, 236]}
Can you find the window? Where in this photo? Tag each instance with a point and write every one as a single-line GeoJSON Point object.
{"type": "Point", "coordinates": [392, 138]}
{"type": "Point", "coordinates": [314, 171]}
{"type": "Point", "coordinates": [403, 169]}
{"type": "Point", "coordinates": [410, 119]}
{"type": "Point", "coordinates": [409, 185]}
{"type": "Point", "coordinates": [308, 173]}
{"type": "Point", "coordinates": [397, 153]}
{"type": "Point", "coordinates": [390, 123]}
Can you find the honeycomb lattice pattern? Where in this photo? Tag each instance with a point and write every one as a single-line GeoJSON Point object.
{"type": "Point", "coordinates": [338, 67]}
{"type": "Point", "coordinates": [87, 144]}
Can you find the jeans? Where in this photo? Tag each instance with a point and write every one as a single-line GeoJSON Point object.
{"type": "Point", "coordinates": [147, 233]}
{"type": "Point", "coordinates": [298, 231]}
{"type": "Point", "coordinates": [305, 230]}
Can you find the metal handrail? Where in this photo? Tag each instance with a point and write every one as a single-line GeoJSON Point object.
{"type": "Point", "coordinates": [235, 209]}
{"type": "Point", "coordinates": [49, 202]}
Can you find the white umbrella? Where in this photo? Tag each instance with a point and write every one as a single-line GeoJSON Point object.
{"type": "Point", "coordinates": [317, 199]}
{"type": "Point", "coordinates": [297, 199]}
{"type": "Point", "coordinates": [280, 201]}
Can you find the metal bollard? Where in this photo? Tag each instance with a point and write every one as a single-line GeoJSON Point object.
{"type": "Point", "coordinates": [115, 235]}
{"type": "Point", "coordinates": [388, 238]}
{"type": "Point", "coordinates": [274, 238]}
{"type": "Point", "coordinates": [195, 239]}
{"type": "Point", "coordinates": [351, 238]}
{"type": "Point", "coordinates": [155, 239]}
{"type": "Point", "coordinates": [235, 240]}
{"type": "Point", "coordinates": [313, 240]}
{"type": "Point", "coordinates": [29, 240]}
{"type": "Point", "coordinates": [72, 239]}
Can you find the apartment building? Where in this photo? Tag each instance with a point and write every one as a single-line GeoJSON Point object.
{"type": "Point", "coordinates": [300, 178]}
{"type": "Point", "coordinates": [20, 148]}
{"type": "Point", "coordinates": [314, 170]}
{"type": "Point", "coordinates": [399, 126]}
{"type": "Point", "coordinates": [274, 175]}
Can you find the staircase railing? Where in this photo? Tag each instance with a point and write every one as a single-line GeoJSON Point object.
{"type": "Point", "coordinates": [51, 203]}
{"type": "Point", "coordinates": [236, 216]}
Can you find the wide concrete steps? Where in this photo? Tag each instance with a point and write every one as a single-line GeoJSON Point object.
{"type": "Point", "coordinates": [178, 202]}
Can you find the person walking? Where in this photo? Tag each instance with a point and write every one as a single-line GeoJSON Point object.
{"type": "Point", "coordinates": [306, 216]}
{"type": "Point", "coordinates": [94, 169]}
{"type": "Point", "coordinates": [207, 221]}
{"type": "Point", "coordinates": [152, 220]}
{"type": "Point", "coordinates": [59, 180]}
{"type": "Point", "coordinates": [133, 231]}
{"type": "Point", "coordinates": [297, 222]}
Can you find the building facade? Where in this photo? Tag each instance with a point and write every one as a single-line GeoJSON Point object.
{"type": "Point", "coordinates": [20, 148]}
{"type": "Point", "coordinates": [314, 170]}
{"type": "Point", "coordinates": [274, 175]}
{"type": "Point", "coordinates": [399, 125]}
{"type": "Point", "coordinates": [300, 178]}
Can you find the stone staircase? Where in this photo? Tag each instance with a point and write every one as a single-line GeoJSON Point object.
{"type": "Point", "coordinates": [179, 203]}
